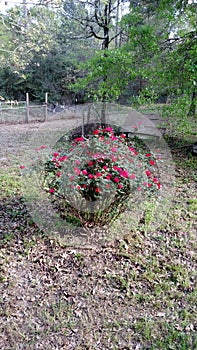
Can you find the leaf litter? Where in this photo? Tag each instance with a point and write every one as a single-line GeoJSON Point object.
{"type": "Point", "coordinates": [138, 292]}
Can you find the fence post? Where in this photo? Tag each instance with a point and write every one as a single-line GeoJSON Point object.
{"type": "Point", "coordinates": [27, 108]}
{"type": "Point", "coordinates": [46, 106]}
{"type": "Point", "coordinates": [83, 122]}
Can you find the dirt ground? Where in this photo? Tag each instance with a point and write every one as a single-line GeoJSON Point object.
{"type": "Point", "coordinates": [137, 292]}
{"type": "Point", "coordinates": [15, 139]}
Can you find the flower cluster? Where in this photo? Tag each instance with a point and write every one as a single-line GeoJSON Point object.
{"type": "Point", "coordinates": [101, 164]}
{"type": "Point", "coordinates": [90, 178]}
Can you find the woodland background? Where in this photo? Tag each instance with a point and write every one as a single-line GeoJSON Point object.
{"type": "Point", "coordinates": [131, 52]}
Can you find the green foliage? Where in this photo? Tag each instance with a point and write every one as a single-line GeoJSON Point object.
{"type": "Point", "coordinates": [106, 74]}
{"type": "Point", "coordinates": [163, 36]}
{"type": "Point", "coordinates": [37, 55]}
{"type": "Point", "coordinates": [147, 54]}
{"type": "Point", "coordinates": [92, 178]}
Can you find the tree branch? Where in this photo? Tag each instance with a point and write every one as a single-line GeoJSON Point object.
{"type": "Point", "coordinates": [115, 36]}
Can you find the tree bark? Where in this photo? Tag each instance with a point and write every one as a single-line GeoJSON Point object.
{"type": "Point", "coordinates": [192, 109]}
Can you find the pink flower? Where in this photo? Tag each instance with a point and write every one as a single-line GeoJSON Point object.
{"type": "Point", "coordinates": [116, 179]}
{"type": "Point", "coordinates": [114, 149]}
{"type": "Point", "coordinates": [145, 183]}
{"type": "Point", "coordinates": [84, 172]}
{"type": "Point", "coordinates": [158, 185]}
{"type": "Point", "coordinates": [152, 162]}
{"type": "Point", "coordinates": [58, 174]}
{"type": "Point", "coordinates": [91, 176]}
{"type": "Point", "coordinates": [148, 155]}
{"type": "Point", "coordinates": [96, 132]}
{"type": "Point", "coordinates": [101, 138]}
{"type": "Point", "coordinates": [77, 161]}
{"type": "Point", "coordinates": [149, 185]}
{"type": "Point", "coordinates": [43, 146]}
{"type": "Point", "coordinates": [61, 159]}
{"type": "Point", "coordinates": [139, 188]}
{"type": "Point", "coordinates": [113, 158]}
{"type": "Point", "coordinates": [78, 139]}
{"type": "Point", "coordinates": [134, 126]}
{"type": "Point", "coordinates": [97, 190]}
{"type": "Point", "coordinates": [113, 138]}
{"type": "Point", "coordinates": [77, 171]}
{"type": "Point", "coordinates": [90, 163]}
{"type": "Point", "coordinates": [108, 128]}
{"type": "Point", "coordinates": [123, 136]}
{"type": "Point", "coordinates": [155, 180]}
{"type": "Point", "coordinates": [132, 176]}
{"type": "Point", "coordinates": [51, 190]}
{"type": "Point", "coordinates": [84, 186]}
{"type": "Point", "coordinates": [148, 173]}
{"type": "Point", "coordinates": [22, 166]}
{"type": "Point", "coordinates": [56, 154]}
{"type": "Point", "coordinates": [124, 173]}
{"type": "Point", "coordinates": [78, 187]}
{"type": "Point", "coordinates": [105, 167]}
{"type": "Point", "coordinates": [96, 155]}
{"type": "Point", "coordinates": [120, 186]}
{"type": "Point", "coordinates": [108, 177]}
{"type": "Point", "coordinates": [72, 178]}
{"type": "Point", "coordinates": [133, 151]}
{"type": "Point", "coordinates": [98, 175]}
{"type": "Point", "coordinates": [37, 149]}
{"type": "Point", "coordinates": [115, 167]}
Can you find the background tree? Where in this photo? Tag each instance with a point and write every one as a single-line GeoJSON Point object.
{"type": "Point", "coordinates": [162, 36]}
{"type": "Point", "coordinates": [100, 20]}
{"type": "Point", "coordinates": [40, 56]}
{"type": "Point", "coordinates": [101, 49]}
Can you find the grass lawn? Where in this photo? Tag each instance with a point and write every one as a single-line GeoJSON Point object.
{"type": "Point", "coordinates": [134, 293]}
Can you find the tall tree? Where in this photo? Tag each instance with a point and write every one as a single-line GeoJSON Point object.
{"type": "Point", "coordinates": [36, 53]}
{"type": "Point", "coordinates": [98, 19]}
{"type": "Point", "coordinates": [162, 36]}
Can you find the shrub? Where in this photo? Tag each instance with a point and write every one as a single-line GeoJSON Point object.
{"type": "Point", "coordinates": [93, 177]}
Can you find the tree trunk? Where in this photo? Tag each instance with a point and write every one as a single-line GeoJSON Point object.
{"type": "Point", "coordinates": [103, 113]}
{"type": "Point", "coordinates": [105, 47]}
{"type": "Point", "coordinates": [192, 109]}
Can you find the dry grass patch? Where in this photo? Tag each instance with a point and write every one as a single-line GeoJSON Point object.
{"type": "Point", "coordinates": [134, 293]}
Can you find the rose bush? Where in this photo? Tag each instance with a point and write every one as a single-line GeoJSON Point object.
{"type": "Point", "coordinates": [96, 174]}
